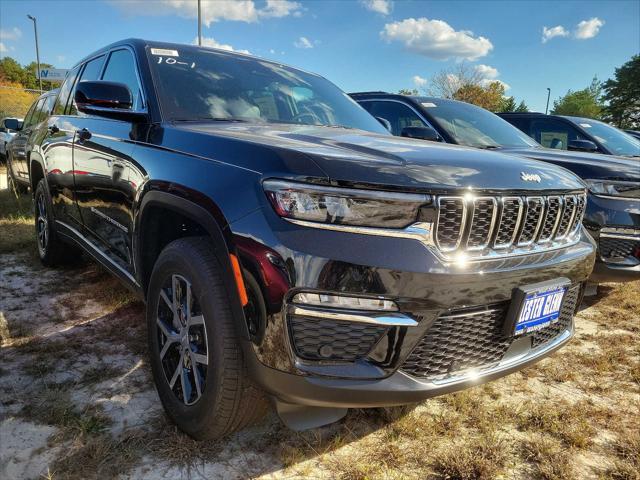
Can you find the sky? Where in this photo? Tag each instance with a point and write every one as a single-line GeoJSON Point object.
{"type": "Point", "coordinates": [361, 44]}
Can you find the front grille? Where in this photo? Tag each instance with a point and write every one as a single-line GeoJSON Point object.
{"type": "Point", "coordinates": [315, 339]}
{"type": "Point", "coordinates": [474, 339]}
{"type": "Point", "coordinates": [482, 224]}
{"type": "Point", "coordinates": [612, 248]}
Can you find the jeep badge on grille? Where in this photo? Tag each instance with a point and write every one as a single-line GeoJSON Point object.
{"type": "Point", "coordinates": [530, 177]}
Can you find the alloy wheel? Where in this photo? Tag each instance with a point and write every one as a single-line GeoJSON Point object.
{"type": "Point", "coordinates": [42, 224]}
{"type": "Point", "coordinates": [182, 340]}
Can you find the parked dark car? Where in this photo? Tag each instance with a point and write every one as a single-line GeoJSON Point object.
{"type": "Point", "coordinates": [613, 207]}
{"type": "Point", "coordinates": [634, 133]}
{"type": "Point", "coordinates": [17, 168]}
{"type": "Point", "coordinates": [575, 133]}
{"type": "Point", "coordinates": [287, 246]}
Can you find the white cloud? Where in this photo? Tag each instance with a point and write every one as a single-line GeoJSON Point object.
{"type": "Point", "coordinates": [14, 34]}
{"type": "Point", "coordinates": [3, 48]}
{"type": "Point", "coordinates": [61, 58]}
{"type": "Point", "coordinates": [485, 71]}
{"type": "Point", "coordinates": [212, 10]}
{"type": "Point", "coordinates": [213, 43]}
{"type": "Point", "coordinates": [550, 32]}
{"type": "Point", "coordinates": [418, 81]}
{"type": "Point", "coordinates": [280, 8]}
{"type": "Point", "coordinates": [303, 42]}
{"type": "Point", "coordinates": [588, 28]}
{"type": "Point", "coordinates": [436, 39]}
{"type": "Point", "coordinates": [383, 7]}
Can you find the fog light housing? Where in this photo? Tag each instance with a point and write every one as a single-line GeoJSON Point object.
{"type": "Point", "coordinates": [347, 302]}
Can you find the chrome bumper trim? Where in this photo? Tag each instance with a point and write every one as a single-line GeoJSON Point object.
{"type": "Point", "coordinates": [383, 319]}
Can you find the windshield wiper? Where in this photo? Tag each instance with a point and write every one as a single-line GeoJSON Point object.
{"type": "Point", "coordinates": [211, 119]}
{"type": "Point", "coordinates": [489, 147]}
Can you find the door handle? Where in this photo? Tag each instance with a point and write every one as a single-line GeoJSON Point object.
{"type": "Point", "coordinates": [83, 135]}
{"type": "Point", "coordinates": [53, 129]}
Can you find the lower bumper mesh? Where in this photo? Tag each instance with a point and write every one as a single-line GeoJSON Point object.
{"type": "Point", "coordinates": [461, 340]}
{"type": "Point", "coordinates": [619, 248]}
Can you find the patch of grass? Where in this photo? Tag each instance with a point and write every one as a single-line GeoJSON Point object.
{"type": "Point", "coordinates": [549, 458]}
{"type": "Point", "coordinates": [478, 458]}
{"type": "Point", "coordinates": [568, 423]}
{"type": "Point", "coordinates": [52, 406]}
{"type": "Point", "coordinates": [99, 373]}
{"type": "Point", "coordinates": [626, 465]}
{"type": "Point", "coordinates": [16, 222]}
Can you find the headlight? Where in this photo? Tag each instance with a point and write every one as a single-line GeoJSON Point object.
{"type": "Point", "coordinates": [614, 188]}
{"type": "Point", "coordinates": [344, 206]}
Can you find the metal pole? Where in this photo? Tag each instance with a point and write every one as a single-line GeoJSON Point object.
{"type": "Point", "coordinates": [35, 31]}
{"type": "Point", "coordinates": [199, 25]}
{"type": "Point", "coordinates": [546, 110]}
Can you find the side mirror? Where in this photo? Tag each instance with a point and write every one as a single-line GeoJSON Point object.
{"type": "Point", "coordinates": [106, 99]}
{"type": "Point", "coordinates": [384, 122]}
{"type": "Point", "coordinates": [582, 146]}
{"type": "Point", "coordinates": [11, 124]}
{"type": "Point", "coordinates": [423, 133]}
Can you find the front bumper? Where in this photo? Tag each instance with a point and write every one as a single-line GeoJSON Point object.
{"type": "Point", "coordinates": [425, 289]}
{"type": "Point", "coordinates": [614, 224]}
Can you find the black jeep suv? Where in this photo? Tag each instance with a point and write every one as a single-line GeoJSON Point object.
{"type": "Point", "coordinates": [289, 248]}
{"type": "Point", "coordinates": [613, 205]}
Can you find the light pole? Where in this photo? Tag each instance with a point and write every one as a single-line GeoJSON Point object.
{"type": "Point", "coordinates": [199, 25]}
{"type": "Point", "coordinates": [546, 110]}
{"type": "Point", "coordinates": [35, 31]}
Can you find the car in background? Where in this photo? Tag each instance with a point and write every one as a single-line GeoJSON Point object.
{"type": "Point", "coordinates": [613, 207]}
{"type": "Point", "coordinates": [15, 153]}
{"type": "Point", "coordinates": [8, 128]}
{"type": "Point", "coordinates": [633, 133]}
{"type": "Point", "coordinates": [574, 133]}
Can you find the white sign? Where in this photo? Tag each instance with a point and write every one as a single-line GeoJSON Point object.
{"type": "Point", "coordinates": [53, 74]}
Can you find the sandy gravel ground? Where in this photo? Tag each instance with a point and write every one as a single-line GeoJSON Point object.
{"type": "Point", "coordinates": [77, 401]}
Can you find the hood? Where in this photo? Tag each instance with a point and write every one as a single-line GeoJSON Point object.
{"type": "Point", "coordinates": [356, 157]}
{"type": "Point", "coordinates": [585, 165]}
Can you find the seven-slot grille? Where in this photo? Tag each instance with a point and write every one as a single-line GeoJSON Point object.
{"type": "Point", "coordinates": [498, 223]}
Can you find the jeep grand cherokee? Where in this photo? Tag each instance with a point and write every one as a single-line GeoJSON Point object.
{"type": "Point", "coordinates": [289, 248]}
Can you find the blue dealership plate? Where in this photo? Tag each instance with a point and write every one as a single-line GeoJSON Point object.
{"type": "Point", "coordinates": [535, 307]}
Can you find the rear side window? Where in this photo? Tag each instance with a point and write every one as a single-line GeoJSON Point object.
{"type": "Point", "coordinates": [398, 115]}
{"type": "Point", "coordinates": [65, 91]}
{"type": "Point", "coordinates": [552, 133]}
{"type": "Point", "coordinates": [31, 117]}
{"type": "Point", "coordinates": [121, 67]}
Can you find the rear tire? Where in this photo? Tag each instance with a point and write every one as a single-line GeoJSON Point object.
{"type": "Point", "coordinates": [196, 359]}
{"type": "Point", "coordinates": [51, 249]}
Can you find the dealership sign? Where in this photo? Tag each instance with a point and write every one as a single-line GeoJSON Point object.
{"type": "Point", "coordinates": [53, 74]}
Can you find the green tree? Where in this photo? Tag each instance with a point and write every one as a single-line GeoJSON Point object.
{"type": "Point", "coordinates": [622, 94]}
{"type": "Point", "coordinates": [508, 104]}
{"type": "Point", "coordinates": [408, 91]}
{"type": "Point", "coordinates": [582, 103]}
{"type": "Point", "coordinates": [522, 107]}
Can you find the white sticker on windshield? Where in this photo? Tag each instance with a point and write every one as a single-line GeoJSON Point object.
{"type": "Point", "coordinates": [585, 125]}
{"type": "Point", "coordinates": [165, 52]}
{"type": "Point", "coordinates": [428, 104]}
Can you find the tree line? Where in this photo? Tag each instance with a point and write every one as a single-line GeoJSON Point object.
{"type": "Point", "coordinates": [616, 101]}
{"type": "Point", "coordinates": [19, 86]}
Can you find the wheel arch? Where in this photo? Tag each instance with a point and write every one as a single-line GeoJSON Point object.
{"type": "Point", "coordinates": [213, 225]}
{"type": "Point", "coordinates": [36, 173]}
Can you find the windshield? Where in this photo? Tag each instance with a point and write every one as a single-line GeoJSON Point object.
{"type": "Point", "coordinates": [474, 126]}
{"type": "Point", "coordinates": [199, 84]}
{"type": "Point", "coordinates": [617, 141]}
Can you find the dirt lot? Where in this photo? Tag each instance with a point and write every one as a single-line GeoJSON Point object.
{"type": "Point", "coordinates": [77, 399]}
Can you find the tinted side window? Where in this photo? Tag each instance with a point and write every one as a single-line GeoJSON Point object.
{"type": "Point", "coordinates": [553, 133]}
{"type": "Point", "coordinates": [520, 123]}
{"type": "Point", "coordinates": [91, 72]}
{"type": "Point", "coordinates": [121, 67]}
{"type": "Point", "coordinates": [32, 116]}
{"type": "Point", "coordinates": [65, 91]}
{"type": "Point", "coordinates": [398, 115]}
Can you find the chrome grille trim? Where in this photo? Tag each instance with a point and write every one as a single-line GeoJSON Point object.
{"type": "Point", "coordinates": [504, 227]}
{"type": "Point", "coordinates": [487, 228]}
{"type": "Point", "coordinates": [442, 236]}
{"type": "Point", "coordinates": [476, 229]}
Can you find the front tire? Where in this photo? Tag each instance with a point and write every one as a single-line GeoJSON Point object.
{"type": "Point", "coordinates": [196, 359]}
